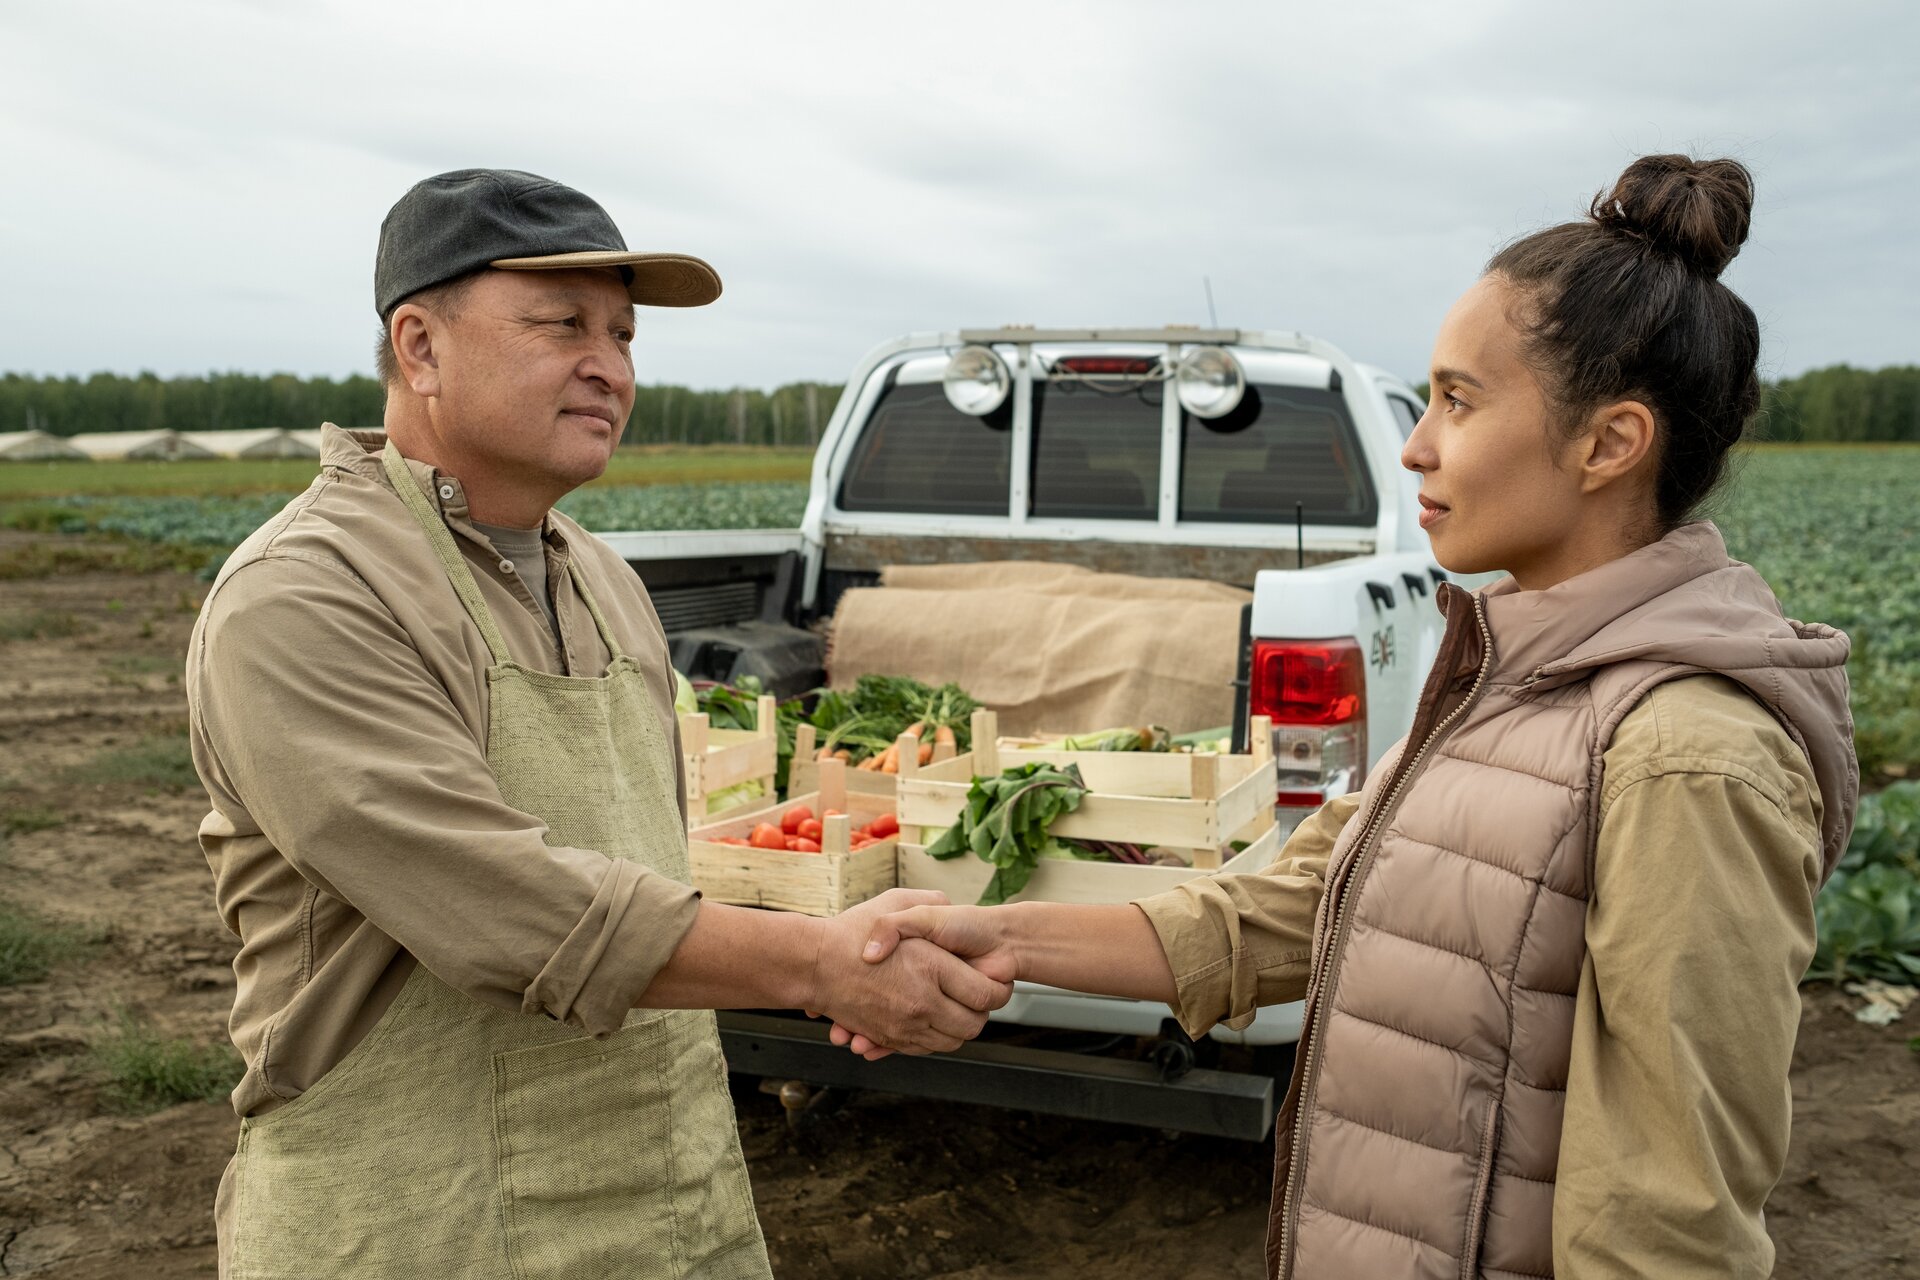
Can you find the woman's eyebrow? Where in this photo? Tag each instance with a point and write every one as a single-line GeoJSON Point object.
{"type": "Point", "coordinates": [1455, 375]}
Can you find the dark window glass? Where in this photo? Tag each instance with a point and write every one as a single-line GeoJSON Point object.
{"type": "Point", "coordinates": [1281, 446]}
{"type": "Point", "coordinates": [1405, 414]}
{"type": "Point", "coordinates": [918, 453]}
{"type": "Point", "coordinates": [1096, 453]}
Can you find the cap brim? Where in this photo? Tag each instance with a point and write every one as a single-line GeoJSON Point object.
{"type": "Point", "coordinates": [659, 279]}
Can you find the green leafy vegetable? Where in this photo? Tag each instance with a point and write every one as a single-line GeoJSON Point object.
{"type": "Point", "coordinates": [1005, 825]}
{"type": "Point", "coordinates": [1869, 925]}
{"type": "Point", "coordinates": [1145, 738]}
{"type": "Point", "coordinates": [1869, 912]}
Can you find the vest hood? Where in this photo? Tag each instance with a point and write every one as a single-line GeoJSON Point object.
{"type": "Point", "coordinates": [1683, 602]}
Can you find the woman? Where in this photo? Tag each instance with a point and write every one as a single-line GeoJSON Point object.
{"type": "Point", "coordinates": [1550, 951]}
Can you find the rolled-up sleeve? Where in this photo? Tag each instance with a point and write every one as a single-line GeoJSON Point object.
{"type": "Point", "coordinates": [1678, 1105]}
{"type": "Point", "coordinates": [1236, 943]}
{"type": "Point", "coordinates": [316, 714]}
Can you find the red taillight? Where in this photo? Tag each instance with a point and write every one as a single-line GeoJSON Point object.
{"type": "Point", "coordinates": [1107, 364]}
{"type": "Point", "coordinates": [1309, 682]}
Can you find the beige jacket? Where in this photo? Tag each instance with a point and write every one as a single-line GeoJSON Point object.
{"type": "Point", "coordinates": [338, 707]}
{"type": "Point", "coordinates": [1468, 1010]}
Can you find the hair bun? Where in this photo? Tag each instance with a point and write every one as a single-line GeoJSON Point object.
{"type": "Point", "coordinates": [1696, 210]}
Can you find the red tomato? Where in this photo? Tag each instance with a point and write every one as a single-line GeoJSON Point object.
{"type": "Point", "coordinates": [812, 829]}
{"type": "Point", "coordinates": [884, 826]}
{"type": "Point", "coordinates": [790, 820]}
{"type": "Point", "coordinates": [797, 845]}
{"type": "Point", "coordinates": [767, 836]}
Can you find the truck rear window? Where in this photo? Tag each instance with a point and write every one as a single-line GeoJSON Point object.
{"type": "Point", "coordinates": [920, 454]}
{"type": "Point", "coordinates": [1096, 454]}
{"type": "Point", "coordinates": [1283, 445]}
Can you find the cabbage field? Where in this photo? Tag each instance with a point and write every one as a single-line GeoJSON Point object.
{"type": "Point", "coordinates": [1834, 529]}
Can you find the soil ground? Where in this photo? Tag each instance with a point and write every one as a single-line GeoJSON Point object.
{"type": "Point", "coordinates": [887, 1187]}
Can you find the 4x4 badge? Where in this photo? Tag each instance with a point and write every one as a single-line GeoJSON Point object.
{"type": "Point", "coordinates": [1383, 655]}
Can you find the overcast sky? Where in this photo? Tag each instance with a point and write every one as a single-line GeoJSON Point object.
{"type": "Point", "coordinates": [199, 184]}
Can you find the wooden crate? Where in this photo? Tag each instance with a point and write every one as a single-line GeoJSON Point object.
{"type": "Point", "coordinates": [717, 758]}
{"type": "Point", "coordinates": [815, 884]}
{"type": "Point", "coordinates": [803, 773]}
{"type": "Point", "coordinates": [964, 878]}
{"type": "Point", "coordinates": [1194, 802]}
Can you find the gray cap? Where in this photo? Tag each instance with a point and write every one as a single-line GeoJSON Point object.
{"type": "Point", "coordinates": [458, 222]}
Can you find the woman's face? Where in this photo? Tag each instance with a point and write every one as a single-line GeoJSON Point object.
{"type": "Point", "coordinates": [1494, 493]}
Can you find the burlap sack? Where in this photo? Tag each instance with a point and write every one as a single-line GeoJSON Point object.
{"type": "Point", "coordinates": [1050, 646]}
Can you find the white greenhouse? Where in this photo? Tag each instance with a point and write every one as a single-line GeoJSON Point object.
{"type": "Point", "coordinates": [267, 442]}
{"type": "Point", "coordinates": [36, 446]}
{"type": "Point", "coordinates": [116, 446]}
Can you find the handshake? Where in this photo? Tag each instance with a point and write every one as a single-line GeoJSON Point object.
{"type": "Point", "coordinates": [906, 972]}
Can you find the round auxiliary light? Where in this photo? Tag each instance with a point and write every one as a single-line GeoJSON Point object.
{"type": "Point", "coordinates": [977, 381]}
{"type": "Point", "coordinates": [1209, 382]}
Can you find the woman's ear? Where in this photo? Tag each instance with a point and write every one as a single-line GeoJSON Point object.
{"type": "Point", "coordinates": [412, 332]}
{"type": "Point", "coordinates": [1618, 441]}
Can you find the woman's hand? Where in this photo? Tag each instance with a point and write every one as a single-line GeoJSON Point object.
{"type": "Point", "coordinates": [914, 995]}
{"type": "Point", "coordinates": [976, 934]}
{"type": "Point", "coordinates": [972, 933]}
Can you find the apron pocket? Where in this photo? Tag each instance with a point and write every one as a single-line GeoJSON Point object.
{"type": "Point", "coordinates": [582, 1134]}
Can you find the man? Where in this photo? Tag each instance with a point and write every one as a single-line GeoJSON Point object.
{"type": "Point", "coordinates": [435, 720]}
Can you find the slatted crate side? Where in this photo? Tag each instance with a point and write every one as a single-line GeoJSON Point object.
{"type": "Point", "coordinates": [805, 769]}
{"type": "Point", "coordinates": [714, 759]}
{"type": "Point", "coordinates": [964, 878]}
{"type": "Point", "coordinates": [1178, 800]}
{"type": "Point", "coordinates": [820, 884]}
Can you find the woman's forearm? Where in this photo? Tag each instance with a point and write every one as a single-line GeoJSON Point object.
{"type": "Point", "coordinates": [1103, 949]}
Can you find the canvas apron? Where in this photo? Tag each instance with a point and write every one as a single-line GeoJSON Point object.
{"type": "Point", "coordinates": [460, 1139]}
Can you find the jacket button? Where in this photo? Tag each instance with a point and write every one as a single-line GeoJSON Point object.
{"type": "Point", "coordinates": [506, 566]}
{"type": "Point", "coordinates": [446, 493]}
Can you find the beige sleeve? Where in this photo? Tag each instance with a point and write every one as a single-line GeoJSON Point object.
{"type": "Point", "coordinates": [1678, 1107]}
{"type": "Point", "coordinates": [321, 727]}
{"type": "Point", "coordinates": [1236, 943]}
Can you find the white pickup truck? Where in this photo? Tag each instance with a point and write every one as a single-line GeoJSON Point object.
{"type": "Point", "coordinates": [1263, 459]}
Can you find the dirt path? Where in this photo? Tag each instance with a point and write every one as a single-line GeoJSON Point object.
{"type": "Point", "coordinates": [888, 1187]}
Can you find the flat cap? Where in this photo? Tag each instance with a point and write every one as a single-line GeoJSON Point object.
{"type": "Point", "coordinates": [458, 222]}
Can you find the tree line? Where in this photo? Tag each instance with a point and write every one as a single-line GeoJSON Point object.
{"type": "Point", "coordinates": [1837, 404]}
{"type": "Point", "coordinates": [794, 414]}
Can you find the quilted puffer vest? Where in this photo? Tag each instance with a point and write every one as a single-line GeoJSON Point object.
{"type": "Point", "coordinates": [1421, 1133]}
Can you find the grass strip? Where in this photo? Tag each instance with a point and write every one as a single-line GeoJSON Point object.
{"type": "Point", "coordinates": [155, 760]}
{"type": "Point", "coordinates": [31, 946]}
{"type": "Point", "coordinates": [147, 1071]}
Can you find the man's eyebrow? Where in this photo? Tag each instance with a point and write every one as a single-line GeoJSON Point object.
{"type": "Point", "coordinates": [1455, 375]}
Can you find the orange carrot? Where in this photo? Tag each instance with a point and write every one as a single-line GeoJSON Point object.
{"type": "Point", "coordinates": [926, 753]}
{"type": "Point", "coordinates": [944, 734]}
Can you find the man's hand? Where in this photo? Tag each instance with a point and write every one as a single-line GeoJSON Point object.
{"type": "Point", "coordinates": [913, 996]}
{"type": "Point", "coordinates": [972, 933]}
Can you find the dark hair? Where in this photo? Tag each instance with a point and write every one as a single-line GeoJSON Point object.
{"type": "Point", "coordinates": [444, 299]}
{"type": "Point", "coordinates": [1628, 305]}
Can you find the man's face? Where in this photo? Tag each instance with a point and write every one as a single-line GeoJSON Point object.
{"type": "Point", "coordinates": [536, 376]}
